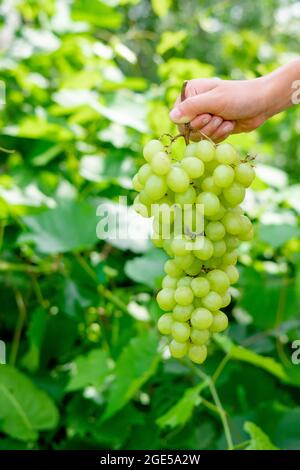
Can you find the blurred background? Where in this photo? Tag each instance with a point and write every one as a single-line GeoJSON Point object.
{"type": "Point", "coordinates": [87, 84]}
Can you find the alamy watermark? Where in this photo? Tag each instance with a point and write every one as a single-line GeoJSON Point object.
{"type": "Point", "coordinates": [169, 221]}
{"type": "Point", "coordinates": [2, 352]}
{"type": "Point", "coordinates": [295, 98]}
{"type": "Point", "coordinates": [2, 94]}
{"type": "Point", "coordinates": [295, 358]}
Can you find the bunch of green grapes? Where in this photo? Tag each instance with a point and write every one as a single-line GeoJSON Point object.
{"type": "Point", "coordinates": [207, 180]}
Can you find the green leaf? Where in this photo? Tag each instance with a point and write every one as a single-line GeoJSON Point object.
{"type": "Point", "coordinates": [88, 369]}
{"type": "Point", "coordinates": [136, 364]}
{"type": "Point", "coordinates": [278, 235]}
{"type": "Point", "coordinates": [259, 440]}
{"type": "Point", "coordinates": [70, 226]}
{"type": "Point", "coordinates": [35, 333]}
{"type": "Point", "coordinates": [240, 353]}
{"type": "Point", "coordinates": [265, 295]}
{"type": "Point", "coordinates": [161, 7]}
{"type": "Point", "coordinates": [169, 40]}
{"type": "Point", "coordinates": [96, 13]}
{"type": "Point", "coordinates": [24, 409]}
{"type": "Point", "coordinates": [182, 411]}
{"type": "Point", "coordinates": [146, 269]}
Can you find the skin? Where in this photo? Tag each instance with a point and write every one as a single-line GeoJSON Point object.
{"type": "Point", "coordinates": [218, 108]}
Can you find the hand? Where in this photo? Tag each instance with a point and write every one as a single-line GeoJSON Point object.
{"type": "Point", "coordinates": [218, 108]}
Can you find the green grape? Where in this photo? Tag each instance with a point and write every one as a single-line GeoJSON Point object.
{"type": "Point", "coordinates": [178, 350]}
{"type": "Point", "coordinates": [232, 273]}
{"type": "Point", "coordinates": [219, 248]}
{"type": "Point", "coordinates": [205, 150]}
{"type": "Point", "coordinates": [193, 167]}
{"type": "Point", "coordinates": [231, 241]}
{"type": "Point", "coordinates": [178, 180]}
{"type": "Point", "coordinates": [191, 149]}
{"type": "Point", "coordinates": [156, 240]}
{"type": "Point", "coordinates": [180, 331]}
{"type": "Point", "coordinates": [192, 219]}
{"type": "Point", "coordinates": [184, 262]}
{"type": "Point", "coordinates": [165, 299]}
{"type": "Point", "coordinates": [203, 248]}
{"type": "Point", "coordinates": [140, 208]}
{"type": "Point", "coordinates": [183, 312]}
{"type": "Point", "coordinates": [197, 354]}
{"type": "Point", "coordinates": [211, 203]}
{"type": "Point", "coordinates": [197, 303]}
{"type": "Point", "coordinates": [212, 301]}
{"type": "Point", "coordinates": [235, 194]}
{"type": "Point", "coordinates": [220, 322]}
{"type": "Point", "coordinates": [165, 324]}
{"type": "Point", "coordinates": [136, 184]}
{"type": "Point", "coordinates": [210, 167]}
{"type": "Point", "coordinates": [226, 299]}
{"type": "Point", "coordinates": [215, 231]}
{"type": "Point", "coordinates": [167, 246]}
{"type": "Point", "coordinates": [169, 281]}
{"type": "Point", "coordinates": [223, 176]}
{"type": "Point", "coordinates": [156, 187]}
{"type": "Point", "coordinates": [172, 269]}
{"type": "Point", "coordinates": [201, 318]}
{"type": "Point", "coordinates": [179, 246]}
{"type": "Point", "coordinates": [195, 268]}
{"type": "Point", "coordinates": [244, 174]}
{"type": "Point", "coordinates": [188, 197]}
{"type": "Point", "coordinates": [219, 215]}
{"type": "Point", "coordinates": [200, 286]}
{"type": "Point", "coordinates": [208, 185]}
{"type": "Point", "coordinates": [144, 198]}
{"type": "Point", "coordinates": [152, 148]}
{"type": "Point", "coordinates": [199, 337]}
{"type": "Point", "coordinates": [232, 223]}
{"type": "Point", "coordinates": [183, 295]}
{"type": "Point", "coordinates": [218, 281]}
{"type": "Point", "coordinates": [184, 281]}
{"type": "Point", "coordinates": [230, 257]}
{"type": "Point", "coordinates": [161, 163]}
{"type": "Point", "coordinates": [226, 153]}
{"type": "Point", "coordinates": [246, 225]}
{"type": "Point", "coordinates": [245, 237]}
{"type": "Point", "coordinates": [144, 173]}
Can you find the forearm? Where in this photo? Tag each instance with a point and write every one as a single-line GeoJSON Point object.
{"type": "Point", "coordinates": [281, 87]}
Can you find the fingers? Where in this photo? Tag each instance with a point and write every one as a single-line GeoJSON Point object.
{"type": "Point", "coordinates": [200, 85]}
{"type": "Point", "coordinates": [188, 109]}
{"type": "Point", "coordinates": [210, 128]}
{"type": "Point", "coordinates": [223, 131]}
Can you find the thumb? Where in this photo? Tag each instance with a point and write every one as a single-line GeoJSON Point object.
{"type": "Point", "coordinates": [188, 109]}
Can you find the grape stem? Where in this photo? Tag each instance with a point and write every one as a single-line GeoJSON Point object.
{"type": "Point", "coordinates": [219, 406]}
{"type": "Point", "coordinates": [187, 127]}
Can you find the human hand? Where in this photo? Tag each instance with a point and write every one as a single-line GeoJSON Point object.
{"type": "Point", "coordinates": [217, 108]}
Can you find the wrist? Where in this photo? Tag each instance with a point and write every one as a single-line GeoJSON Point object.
{"type": "Point", "coordinates": [279, 88]}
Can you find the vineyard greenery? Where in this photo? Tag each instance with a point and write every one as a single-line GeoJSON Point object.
{"type": "Point", "coordinates": [87, 85]}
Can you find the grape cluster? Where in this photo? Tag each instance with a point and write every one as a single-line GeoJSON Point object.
{"type": "Point", "coordinates": [207, 180]}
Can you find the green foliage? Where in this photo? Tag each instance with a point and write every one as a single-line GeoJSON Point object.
{"type": "Point", "coordinates": [87, 84]}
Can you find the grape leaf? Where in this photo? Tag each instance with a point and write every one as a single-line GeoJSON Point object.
{"type": "Point", "coordinates": [88, 369]}
{"type": "Point", "coordinates": [62, 229]}
{"type": "Point", "coordinates": [136, 364]}
{"type": "Point", "coordinates": [181, 412]}
{"type": "Point", "coordinates": [259, 440]}
{"type": "Point", "coordinates": [24, 409]}
{"type": "Point", "coordinates": [146, 269]}
{"type": "Point", "coordinates": [240, 353]}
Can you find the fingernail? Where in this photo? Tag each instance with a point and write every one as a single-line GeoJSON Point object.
{"type": "Point", "coordinates": [206, 120]}
{"type": "Point", "coordinates": [217, 121]}
{"type": "Point", "coordinates": [177, 116]}
{"type": "Point", "coordinates": [228, 128]}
